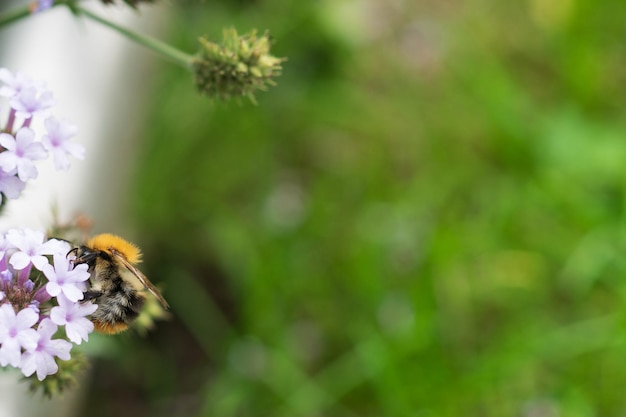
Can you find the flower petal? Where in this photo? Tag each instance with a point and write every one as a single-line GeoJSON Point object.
{"type": "Point", "coordinates": [19, 260]}
{"type": "Point", "coordinates": [26, 318]}
{"type": "Point", "coordinates": [72, 292]}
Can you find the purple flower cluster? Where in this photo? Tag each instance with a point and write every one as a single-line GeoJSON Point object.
{"type": "Point", "coordinates": [40, 293]}
{"type": "Point", "coordinates": [19, 148]}
{"type": "Point", "coordinates": [42, 5]}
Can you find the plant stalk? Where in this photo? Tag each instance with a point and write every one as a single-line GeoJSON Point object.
{"type": "Point", "coordinates": [155, 45]}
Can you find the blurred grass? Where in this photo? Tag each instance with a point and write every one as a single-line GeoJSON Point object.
{"type": "Point", "coordinates": [424, 218]}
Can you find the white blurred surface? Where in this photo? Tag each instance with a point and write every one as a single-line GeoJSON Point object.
{"type": "Point", "coordinates": [17, 401]}
{"type": "Point", "coordinates": [96, 77]}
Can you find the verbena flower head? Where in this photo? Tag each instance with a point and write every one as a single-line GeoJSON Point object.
{"type": "Point", "coordinates": [20, 146]}
{"type": "Point", "coordinates": [239, 66]}
{"type": "Point", "coordinates": [41, 291]}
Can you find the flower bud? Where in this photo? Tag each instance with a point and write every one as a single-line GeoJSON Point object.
{"type": "Point", "coordinates": [238, 66]}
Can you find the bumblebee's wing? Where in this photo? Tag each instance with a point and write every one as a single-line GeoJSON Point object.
{"type": "Point", "coordinates": [141, 277]}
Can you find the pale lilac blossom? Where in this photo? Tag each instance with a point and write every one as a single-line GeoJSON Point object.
{"type": "Point", "coordinates": [57, 141]}
{"type": "Point", "coordinates": [16, 333]}
{"type": "Point", "coordinates": [20, 153]}
{"type": "Point", "coordinates": [31, 248]}
{"type": "Point", "coordinates": [10, 185]}
{"type": "Point", "coordinates": [31, 101]}
{"type": "Point", "coordinates": [74, 317]}
{"type": "Point", "coordinates": [65, 278]}
{"type": "Point", "coordinates": [43, 5]}
{"type": "Point", "coordinates": [14, 83]}
{"type": "Point", "coordinates": [40, 358]}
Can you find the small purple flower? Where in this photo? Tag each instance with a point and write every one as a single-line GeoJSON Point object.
{"type": "Point", "coordinates": [73, 317]}
{"type": "Point", "coordinates": [10, 185]}
{"type": "Point", "coordinates": [28, 285]}
{"type": "Point", "coordinates": [5, 277]}
{"type": "Point", "coordinates": [16, 332]}
{"type": "Point", "coordinates": [57, 141]}
{"type": "Point", "coordinates": [43, 5]}
{"type": "Point", "coordinates": [34, 305]}
{"type": "Point", "coordinates": [31, 101]}
{"type": "Point", "coordinates": [14, 83]}
{"type": "Point", "coordinates": [40, 358]}
{"type": "Point", "coordinates": [31, 248]}
{"type": "Point", "coordinates": [20, 153]}
{"type": "Point", "coordinates": [63, 279]}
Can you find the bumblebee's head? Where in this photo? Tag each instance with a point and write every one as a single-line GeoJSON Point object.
{"type": "Point", "coordinates": [84, 255]}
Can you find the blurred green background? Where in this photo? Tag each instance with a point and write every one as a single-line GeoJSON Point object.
{"type": "Point", "coordinates": [424, 218]}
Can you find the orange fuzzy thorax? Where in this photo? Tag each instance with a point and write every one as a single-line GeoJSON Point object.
{"type": "Point", "coordinates": [107, 242]}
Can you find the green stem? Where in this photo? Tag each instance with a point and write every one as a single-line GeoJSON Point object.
{"type": "Point", "coordinates": [157, 46]}
{"type": "Point", "coordinates": [14, 15]}
{"type": "Point", "coordinates": [22, 12]}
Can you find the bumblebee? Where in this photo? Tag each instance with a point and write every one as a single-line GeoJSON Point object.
{"type": "Point", "coordinates": [116, 285]}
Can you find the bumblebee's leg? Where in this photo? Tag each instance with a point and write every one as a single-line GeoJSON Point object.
{"type": "Point", "coordinates": [91, 294]}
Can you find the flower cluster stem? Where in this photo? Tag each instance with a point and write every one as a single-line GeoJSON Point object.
{"type": "Point", "coordinates": [14, 15]}
{"type": "Point", "coordinates": [167, 51]}
{"type": "Point", "coordinates": [155, 45]}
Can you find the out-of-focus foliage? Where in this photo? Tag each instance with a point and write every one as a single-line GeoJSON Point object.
{"type": "Point", "coordinates": [424, 218]}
